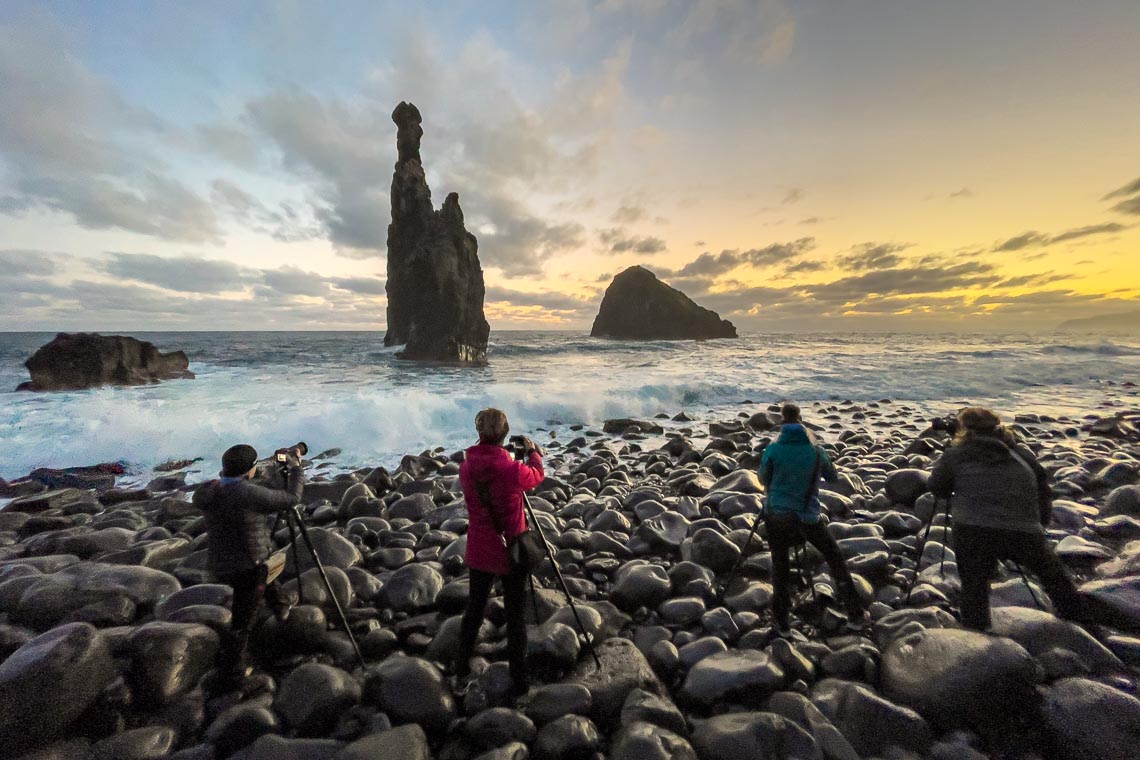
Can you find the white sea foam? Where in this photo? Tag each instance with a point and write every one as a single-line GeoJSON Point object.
{"type": "Point", "coordinates": [347, 391]}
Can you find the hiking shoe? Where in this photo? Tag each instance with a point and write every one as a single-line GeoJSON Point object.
{"type": "Point", "coordinates": [784, 631]}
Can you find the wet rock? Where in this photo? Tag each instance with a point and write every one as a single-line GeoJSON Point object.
{"type": "Point", "coordinates": [1124, 500]}
{"type": "Point", "coordinates": [410, 690]}
{"type": "Point", "coordinates": [78, 361]}
{"type": "Point", "coordinates": [745, 676]}
{"type": "Point", "coordinates": [645, 741]}
{"type": "Point", "coordinates": [638, 306]}
{"type": "Point", "coordinates": [49, 682]}
{"type": "Point", "coordinates": [889, 627]}
{"type": "Point", "coordinates": [665, 532]}
{"type": "Point", "coordinates": [957, 678]}
{"type": "Point", "coordinates": [146, 743]}
{"type": "Point", "coordinates": [870, 723]}
{"type": "Point", "coordinates": [499, 726]}
{"type": "Point", "coordinates": [435, 284]}
{"type": "Point", "coordinates": [272, 747]}
{"type": "Point", "coordinates": [623, 669]}
{"type": "Point", "coordinates": [739, 481]}
{"type": "Point", "coordinates": [643, 707]}
{"type": "Point", "coordinates": [313, 696]}
{"type": "Point", "coordinates": [755, 597]}
{"type": "Point", "coordinates": [752, 734]}
{"type": "Point", "coordinates": [412, 588]}
{"type": "Point", "coordinates": [1040, 632]}
{"type": "Point", "coordinates": [240, 726]}
{"type": "Point", "coordinates": [714, 551]}
{"type": "Point", "coordinates": [401, 743]}
{"type": "Point", "coordinates": [334, 550]}
{"type": "Point", "coordinates": [800, 710]}
{"type": "Point", "coordinates": [168, 659]}
{"type": "Point", "coordinates": [512, 751]}
{"type": "Point", "coordinates": [546, 703]}
{"type": "Point", "coordinates": [905, 486]}
{"type": "Point", "coordinates": [571, 737]}
{"type": "Point", "coordinates": [1092, 721]}
{"type": "Point", "coordinates": [640, 586]}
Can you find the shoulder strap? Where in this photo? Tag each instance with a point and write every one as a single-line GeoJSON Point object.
{"type": "Point", "coordinates": [1020, 459]}
{"type": "Point", "coordinates": [814, 482]}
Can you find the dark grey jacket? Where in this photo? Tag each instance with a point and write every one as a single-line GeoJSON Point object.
{"type": "Point", "coordinates": [237, 520]}
{"type": "Point", "coordinates": [993, 485]}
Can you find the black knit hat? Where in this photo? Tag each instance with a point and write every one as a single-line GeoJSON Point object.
{"type": "Point", "coordinates": [238, 460]}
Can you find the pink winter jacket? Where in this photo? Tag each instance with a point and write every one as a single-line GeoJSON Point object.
{"type": "Point", "coordinates": [485, 462]}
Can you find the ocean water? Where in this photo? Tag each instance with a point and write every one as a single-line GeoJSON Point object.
{"type": "Point", "coordinates": [345, 390]}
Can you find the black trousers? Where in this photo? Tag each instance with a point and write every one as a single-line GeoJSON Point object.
{"type": "Point", "coordinates": [978, 550]}
{"type": "Point", "coordinates": [784, 532]}
{"type": "Point", "coordinates": [249, 592]}
{"type": "Point", "coordinates": [514, 598]}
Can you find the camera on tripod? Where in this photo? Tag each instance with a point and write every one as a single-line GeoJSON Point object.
{"type": "Point", "coordinates": [948, 425]}
{"type": "Point", "coordinates": [281, 456]}
{"type": "Point", "coordinates": [516, 444]}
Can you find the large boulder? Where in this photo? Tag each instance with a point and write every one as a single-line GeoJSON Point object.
{"type": "Point", "coordinates": [1039, 632]}
{"type": "Point", "coordinates": [78, 361]}
{"type": "Point", "coordinates": [957, 678]}
{"type": "Point", "coordinates": [871, 724]}
{"type": "Point", "coordinates": [410, 690]}
{"type": "Point", "coordinates": [49, 682]}
{"type": "Point", "coordinates": [168, 659]}
{"type": "Point", "coordinates": [312, 698]}
{"type": "Point", "coordinates": [747, 676]}
{"type": "Point", "coordinates": [1091, 720]}
{"type": "Point", "coordinates": [435, 284]}
{"type": "Point", "coordinates": [638, 306]}
{"type": "Point", "coordinates": [623, 670]}
{"type": "Point", "coordinates": [752, 734]}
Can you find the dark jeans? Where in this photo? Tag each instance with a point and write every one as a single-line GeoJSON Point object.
{"type": "Point", "coordinates": [978, 550]}
{"type": "Point", "coordinates": [784, 532]}
{"type": "Point", "coordinates": [514, 598]}
{"type": "Point", "coordinates": [249, 591]}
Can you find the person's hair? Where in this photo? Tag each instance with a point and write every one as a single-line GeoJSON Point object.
{"type": "Point", "coordinates": [790, 413]}
{"type": "Point", "coordinates": [979, 422]}
{"type": "Point", "coordinates": [238, 460]}
{"type": "Point", "coordinates": [491, 424]}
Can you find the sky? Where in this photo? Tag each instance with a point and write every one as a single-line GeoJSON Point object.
{"type": "Point", "coordinates": [796, 165]}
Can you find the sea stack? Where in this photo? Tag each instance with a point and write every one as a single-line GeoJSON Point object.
{"type": "Point", "coordinates": [78, 361]}
{"type": "Point", "coordinates": [638, 306]}
{"type": "Point", "coordinates": [435, 284]}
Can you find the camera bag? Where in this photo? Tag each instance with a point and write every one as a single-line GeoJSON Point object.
{"type": "Point", "coordinates": [526, 550]}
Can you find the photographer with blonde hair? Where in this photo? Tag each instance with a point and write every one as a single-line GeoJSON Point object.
{"type": "Point", "coordinates": [493, 487]}
{"type": "Point", "coordinates": [1000, 503]}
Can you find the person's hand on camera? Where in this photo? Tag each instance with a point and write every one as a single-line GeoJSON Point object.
{"type": "Point", "coordinates": [293, 457]}
{"type": "Point", "coordinates": [530, 446]}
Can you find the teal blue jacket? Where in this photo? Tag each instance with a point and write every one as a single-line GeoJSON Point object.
{"type": "Point", "coordinates": [786, 469]}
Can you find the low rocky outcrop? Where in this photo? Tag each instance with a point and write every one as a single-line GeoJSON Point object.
{"type": "Point", "coordinates": [638, 306]}
{"type": "Point", "coordinates": [76, 361]}
{"type": "Point", "coordinates": [435, 284]}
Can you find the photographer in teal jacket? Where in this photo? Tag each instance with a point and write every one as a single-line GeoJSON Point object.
{"type": "Point", "coordinates": [790, 470]}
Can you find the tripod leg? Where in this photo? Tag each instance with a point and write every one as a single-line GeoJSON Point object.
{"type": "Point", "coordinates": [918, 554]}
{"type": "Point", "coordinates": [561, 580]}
{"type": "Point", "coordinates": [533, 598]}
{"type": "Point", "coordinates": [290, 518]}
{"type": "Point", "coordinates": [328, 587]}
{"type": "Point", "coordinates": [740, 559]}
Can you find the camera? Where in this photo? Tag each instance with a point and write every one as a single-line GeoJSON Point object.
{"type": "Point", "coordinates": [282, 455]}
{"type": "Point", "coordinates": [516, 444]}
{"type": "Point", "coordinates": [948, 425]}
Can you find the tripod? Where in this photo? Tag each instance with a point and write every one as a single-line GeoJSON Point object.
{"type": "Point", "coordinates": [561, 580]}
{"type": "Point", "coordinates": [296, 523]}
{"type": "Point", "coordinates": [922, 548]}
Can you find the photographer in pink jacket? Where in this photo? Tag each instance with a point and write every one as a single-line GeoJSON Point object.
{"type": "Point", "coordinates": [493, 485]}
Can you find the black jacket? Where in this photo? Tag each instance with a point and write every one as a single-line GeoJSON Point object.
{"type": "Point", "coordinates": [237, 522]}
{"type": "Point", "coordinates": [993, 485]}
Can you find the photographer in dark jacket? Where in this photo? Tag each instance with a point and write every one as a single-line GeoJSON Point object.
{"type": "Point", "coordinates": [239, 541]}
{"type": "Point", "coordinates": [1000, 502]}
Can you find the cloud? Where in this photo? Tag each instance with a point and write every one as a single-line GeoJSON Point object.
{"type": "Point", "coordinates": [62, 136]}
{"type": "Point", "coordinates": [793, 195]}
{"type": "Point", "coordinates": [963, 192]}
{"type": "Point", "coordinates": [1129, 206]}
{"type": "Point", "coordinates": [183, 274]}
{"type": "Point", "coordinates": [617, 240]}
{"type": "Point", "coordinates": [1032, 279]}
{"type": "Point", "coordinates": [294, 282]}
{"type": "Point", "coordinates": [551, 300]}
{"type": "Point", "coordinates": [1132, 188]}
{"type": "Point", "coordinates": [16, 263]}
{"type": "Point", "coordinates": [628, 214]}
{"type": "Point", "coordinates": [1021, 241]}
{"type": "Point", "coordinates": [905, 281]}
{"type": "Point", "coordinates": [372, 286]}
{"type": "Point", "coordinates": [871, 256]}
{"type": "Point", "coordinates": [1033, 238]}
{"type": "Point", "coordinates": [710, 266]}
